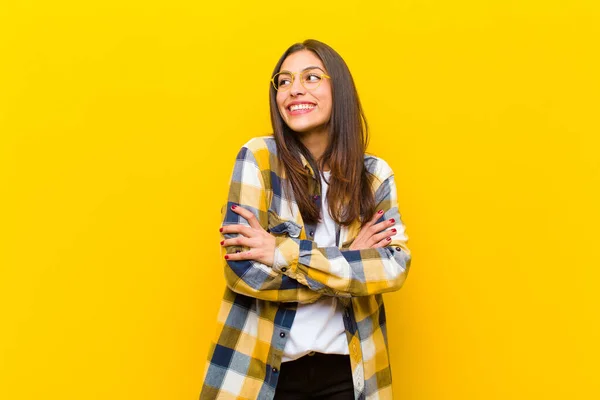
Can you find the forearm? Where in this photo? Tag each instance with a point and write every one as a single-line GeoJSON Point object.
{"type": "Point", "coordinates": [344, 273]}
{"type": "Point", "coordinates": [261, 282]}
{"type": "Point", "coordinates": [256, 279]}
{"type": "Point", "coordinates": [248, 189]}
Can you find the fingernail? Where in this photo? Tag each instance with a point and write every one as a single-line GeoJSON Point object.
{"type": "Point", "coordinates": [233, 207]}
{"type": "Point", "coordinates": [222, 241]}
{"type": "Point", "coordinates": [380, 212]}
{"type": "Point", "coordinates": [392, 220]}
{"type": "Point", "coordinates": [388, 239]}
{"type": "Point", "coordinates": [227, 256]}
{"type": "Point", "coordinates": [393, 230]}
{"type": "Point", "coordinates": [221, 230]}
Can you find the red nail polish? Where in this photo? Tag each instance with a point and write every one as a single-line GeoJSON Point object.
{"type": "Point", "coordinates": [233, 207]}
{"type": "Point", "coordinates": [221, 230]}
{"type": "Point", "coordinates": [392, 220]}
{"type": "Point", "coordinates": [388, 239]}
{"type": "Point", "coordinates": [227, 256]}
{"type": "Point", "coordinates": [394, 230]}
{"type": "Point", "coordinates": [222, 241]}
{"type": "Point", "coordinates": [380, 212]}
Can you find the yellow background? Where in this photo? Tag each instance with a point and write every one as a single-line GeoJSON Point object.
{"type": "Point", "coordinates": [119, 124]}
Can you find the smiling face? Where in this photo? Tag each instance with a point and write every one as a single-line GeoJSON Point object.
{"type": "Point", "coordinates": [305, 110]}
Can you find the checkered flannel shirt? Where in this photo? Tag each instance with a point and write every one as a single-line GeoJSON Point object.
{"type": "Point", "coordinates": [260, 301]}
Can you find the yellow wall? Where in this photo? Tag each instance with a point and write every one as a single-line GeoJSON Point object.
{"type": "Point", "coordinates": [119, 124]}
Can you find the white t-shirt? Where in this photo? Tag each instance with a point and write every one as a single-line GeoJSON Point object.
{"type": "Point", "coordinates": [318, 326]}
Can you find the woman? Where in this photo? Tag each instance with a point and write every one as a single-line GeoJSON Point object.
{"type": "Point", "coordinates": [312, 238]}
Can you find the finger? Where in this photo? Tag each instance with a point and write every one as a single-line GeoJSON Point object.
{"type": "Point", "coordinates": [237, 241]}
{"type": "Point", "coordinates": [373, 220]}
{"type": "Point", "coordinates": [244, 255]}
{"type": "Point", "coordinates": [383, 225]}
{"type": "Point", "coordinates": [248, 215]}
{"type": "Point", "coordinates": [242, 229]}
{"type": "Point", "coordinates": [378, 232]}
{"type": "Point", "coordinates": [383, 235]}
{"type": "Point", "coordinates": [382, 243]}
{"type": "Point", "coordinates": [376, 216]}
{"type": "Point", "coordinates": [365, 228]}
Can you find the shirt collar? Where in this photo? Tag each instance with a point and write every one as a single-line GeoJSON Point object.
{"type": "Point", "coordinates": [306, 165]}
{"type": "Point", "coordinates": [304, 161]}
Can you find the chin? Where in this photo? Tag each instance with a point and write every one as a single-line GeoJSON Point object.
{"type": "Point", "coordinates": [304, 128]}
{"type": "Point", "coordinates": [301, 129]}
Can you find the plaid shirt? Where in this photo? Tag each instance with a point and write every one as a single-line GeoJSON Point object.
{"type": "Point", "coordinates": [260, 301]}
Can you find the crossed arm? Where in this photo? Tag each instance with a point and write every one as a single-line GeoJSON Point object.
{"type": "Point", "coordinates": [287, 269]}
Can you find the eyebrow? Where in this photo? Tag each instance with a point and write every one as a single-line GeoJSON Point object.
{"type": "Point", "coordinates": [307, 68]}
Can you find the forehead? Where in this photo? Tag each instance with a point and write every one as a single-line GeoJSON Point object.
{"type": "Point", "coordinates": [301, 59]}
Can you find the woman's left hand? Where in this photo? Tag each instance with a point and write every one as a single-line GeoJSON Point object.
{"type": "Point", "coordinates": [261, 243]}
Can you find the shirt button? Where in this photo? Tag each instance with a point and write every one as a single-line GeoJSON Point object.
{"type": "Point", "coordinates": [398, 249]}
{"type": "Point", "coordinates": [311, 233]}
{"type": "Point", "coordinates": [274, 370]}
{"type": "Point", "coordinates": [282, 334]}
{"type": "Point", "coordinates": [283, 269]}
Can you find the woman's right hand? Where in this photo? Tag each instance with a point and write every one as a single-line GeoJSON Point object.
{"type": "Point", "coordinates": [374, 235]}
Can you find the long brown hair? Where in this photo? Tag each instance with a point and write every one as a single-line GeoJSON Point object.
{"type": "Point", "coordinates": [350, 196]}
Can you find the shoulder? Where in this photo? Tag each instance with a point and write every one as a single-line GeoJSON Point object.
{"type": "Point", "coordinates": [378, 167]}
{"type": "Point", "coordinates": [259, 150]}
{"type": "Point", "coordinates": [261, 143]}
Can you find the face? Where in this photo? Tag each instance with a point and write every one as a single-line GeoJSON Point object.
{"type": "Point", "coordinates": [305, 110]}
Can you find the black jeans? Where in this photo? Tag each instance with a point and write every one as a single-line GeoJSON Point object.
{"type": "Point", "coordinates": [318, 376]}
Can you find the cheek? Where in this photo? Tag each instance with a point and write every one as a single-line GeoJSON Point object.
{"type": "Point", "coordinates": [279, 100]}
{"type": "Point", "coordinates": [325, 98]}
{"type": "Point", "coordinates": [327, 104]}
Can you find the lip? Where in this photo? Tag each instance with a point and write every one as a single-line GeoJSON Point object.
{"type": "Point", "coordinates": [299, 112]}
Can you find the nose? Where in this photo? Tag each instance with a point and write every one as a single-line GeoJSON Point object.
{"type": "Point", "coordinates": [297, 87]}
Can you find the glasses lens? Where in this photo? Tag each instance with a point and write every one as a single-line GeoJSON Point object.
{"type": "Point", "coordinates": [283, 81]}
{"type": "Point", "coordinates": [311, 78]}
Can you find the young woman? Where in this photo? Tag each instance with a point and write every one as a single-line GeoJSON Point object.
{"type": "Point", "coordinates": [312, 238]}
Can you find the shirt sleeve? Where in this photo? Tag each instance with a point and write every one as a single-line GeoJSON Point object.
{"type": "Point", "coordinates": [248, 277]}
{"type": "Point", "coordinates": [348, 273]}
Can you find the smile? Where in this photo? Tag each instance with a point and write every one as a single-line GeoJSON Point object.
{"type": "Point", "coordinates": [302, 108]}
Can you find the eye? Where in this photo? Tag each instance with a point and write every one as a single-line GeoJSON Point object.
{"type": "Point", "coordinates": [284, 81]}
{"type": "Point", "coordinates": [312, 77]}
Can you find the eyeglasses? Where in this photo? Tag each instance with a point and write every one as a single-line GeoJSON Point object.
{"type": "Point", "coordinates": [310, 79]}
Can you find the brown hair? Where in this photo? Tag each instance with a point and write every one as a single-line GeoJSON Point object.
{"type": "Point", "coordinates": [350, 196]}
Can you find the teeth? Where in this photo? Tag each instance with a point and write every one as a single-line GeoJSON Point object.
{"type": "Point", "coordinates": [301, 107]}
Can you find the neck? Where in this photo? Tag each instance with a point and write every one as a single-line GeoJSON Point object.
{"type": "Point", "coordinates": [316, 142]}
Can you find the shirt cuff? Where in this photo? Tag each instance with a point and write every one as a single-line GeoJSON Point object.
{"type": "Point", "coordinates": [285, 258]}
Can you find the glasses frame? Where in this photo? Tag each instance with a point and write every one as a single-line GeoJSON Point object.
{"type": "Point", "coordinates": [293, 78]}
